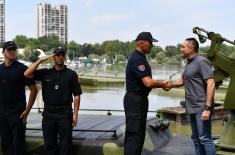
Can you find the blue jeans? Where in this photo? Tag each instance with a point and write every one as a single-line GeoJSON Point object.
{"type": "Point", "coordinates": [201, 135]}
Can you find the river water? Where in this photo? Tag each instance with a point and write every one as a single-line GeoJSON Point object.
{"type": "Point", "coordinates": [112, 98]}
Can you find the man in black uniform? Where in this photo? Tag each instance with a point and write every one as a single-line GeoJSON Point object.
{"type": "Point", "coordinates": [139, 83]}
{"type": "Point", "coordinates": [13, 110]}
{"type": "Point", "coordinates": [58, 85]}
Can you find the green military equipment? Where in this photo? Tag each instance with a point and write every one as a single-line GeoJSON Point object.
{"type": "Point", "coordinates": [224, 68]}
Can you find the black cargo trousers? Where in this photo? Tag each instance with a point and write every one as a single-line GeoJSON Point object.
{"type": "Point", "coordinates": [136, 108]}
{"type": "Point", "coordinates": [57, 123]}
{"type": "Point", "coordinates": [12, 129]}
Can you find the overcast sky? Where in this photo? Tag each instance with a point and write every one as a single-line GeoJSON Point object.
{"type": "Point", "coordinates": [94, 21]}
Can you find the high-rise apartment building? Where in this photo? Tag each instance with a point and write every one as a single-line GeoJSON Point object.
{"type": "Point", "coordinates": [52, 20]}
{"type": "Point", "coordinates": [2, 21]}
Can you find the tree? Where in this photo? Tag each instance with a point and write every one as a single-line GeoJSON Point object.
{"type": "Point", "coordinates": [50, 41]}
{"type": "Point", "coordinates": [33, 43]}
{"type": "Point", "coordinates": [171, 51]}
{"type": "Point", "coordinates": [87, 49]}
{"type": "Point", "coordinates": [20, 41]}
{"type": "Point", "coordinates": [34, 55]}
{"type": "Point", "coordinates": [204, 49]}
{"type": "Point", "coordinates": [44, 47]}
{"type": "Point", "coordinates": [154, 51]}
{"type": "Point", "coordinates": [160, 56]}
{"type": "Point", "coordinates": [27, 53]}
{"type": "Point", "coordinates": [93, 56]}
{"type": "Point", "coordinates": [120, 58]}
{"type": "Point", "coordinates": [74, 50]}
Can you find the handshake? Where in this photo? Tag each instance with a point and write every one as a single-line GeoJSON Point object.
{"type": "Point", "coordinates": [166, 85]}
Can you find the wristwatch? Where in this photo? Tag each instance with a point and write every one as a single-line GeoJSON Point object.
{"type": "Point", "coordinates": [207, 107]}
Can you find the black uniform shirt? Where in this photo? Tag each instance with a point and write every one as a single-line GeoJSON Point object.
{"type": "Point", "coordinates": [58, 86]}
{"type": "Point", "coordinates": [12, 83]}
{"type": "Point", "coordinates": [137, 68]}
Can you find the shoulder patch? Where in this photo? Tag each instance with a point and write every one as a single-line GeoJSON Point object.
{"type": "Point", "coordinates": [141, 68]}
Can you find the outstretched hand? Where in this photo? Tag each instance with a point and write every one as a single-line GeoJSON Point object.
{"type": "Point", "coordinates": [167, 86]}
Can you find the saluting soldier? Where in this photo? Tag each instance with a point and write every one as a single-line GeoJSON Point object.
{"type": "Point", "coordinates": [60, 87]}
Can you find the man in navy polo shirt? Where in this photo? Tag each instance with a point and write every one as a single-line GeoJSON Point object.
{"type": "Point", "coordinates": [198, 79]}
{"type": "Point", "coordinates": [59, 85]}
{"type": "Point", "coordinates": [13, 110]}
{"type": "Point", "coordinates": [139, 83]}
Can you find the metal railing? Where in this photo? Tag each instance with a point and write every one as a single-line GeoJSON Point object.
{"type": "Point", "coordinates": [101, 110]}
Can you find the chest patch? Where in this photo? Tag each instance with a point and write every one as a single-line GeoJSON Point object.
{"type": "Point", "coordinates": [141, 68]}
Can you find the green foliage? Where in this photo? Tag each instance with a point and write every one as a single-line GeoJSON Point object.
{"type": "Point", "coordinates": [113, 50]}
{"type": "Point", "coordinates": [20, 41]}
{"type": "Point", "coordinates": [204, 49]}
{"type": "Point", "coordinates": [44, 43]}
{"type": "Point", "coordinates": [94, 56]}
{"type": "Point", "coordinates": [51, 42]}
{"type": "Point", "coordinates": [87, 49]}
{"type": "Point", "coordinates": [227, 50]}
{"type": "Point", "coordinates": [171, 51]}
{"type": "Point", "coordinates": [44, 47]}
{"type": "Point", "coordinates": [155, 50]}
{"type": "Point", "coordinates": [160, 56]}
{"type": "Point", "coordinates": [74, 50]}
{"type": "Point", "coordinates": [32, 42]}
{"type": "Point", "coordinates": [120, 58]}
{"type": "Point", "coordinates": [30, 54]}
{"type": "Point", "coordinates": [114, 47]}
{"type": "Point", "coordinates": [34, 56]}
{"type": "Point", "coordinates": [27, 53]}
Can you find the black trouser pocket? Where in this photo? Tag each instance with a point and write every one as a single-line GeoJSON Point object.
{"type": "Point", "coordinates": [133, 123]}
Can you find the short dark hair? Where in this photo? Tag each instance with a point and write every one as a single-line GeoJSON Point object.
{"type": "Point", "coordinates": [194, 43]}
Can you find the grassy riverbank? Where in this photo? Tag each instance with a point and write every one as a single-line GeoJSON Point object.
{"type": "Point", "coordinates": [101, 81]}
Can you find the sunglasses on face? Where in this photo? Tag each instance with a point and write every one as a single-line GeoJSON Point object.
{"type": "Point", "coordinates": [11, 49]}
